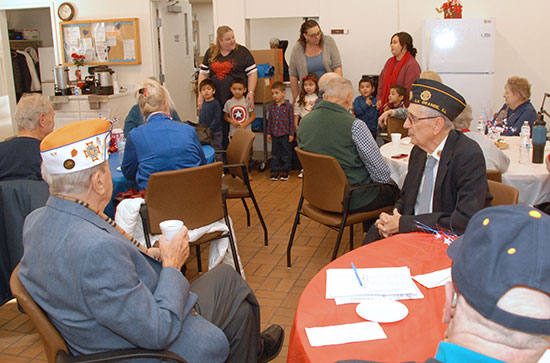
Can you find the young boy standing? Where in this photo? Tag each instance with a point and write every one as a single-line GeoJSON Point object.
{"type": "Point", "coordinates": [364, 106]}
{"type": "Point", "coordinates": [280, 131]}
{"type": "Point", "coordinates": [236, 110]}
{"type": "Point", "coordinates": [211, 113]}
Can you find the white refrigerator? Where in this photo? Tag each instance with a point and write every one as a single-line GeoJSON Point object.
{"type": "Point", "coordinates": [462, 51]}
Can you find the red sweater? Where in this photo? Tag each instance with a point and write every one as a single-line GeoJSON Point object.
{"type": "Point", "coordinates": [409, 73]}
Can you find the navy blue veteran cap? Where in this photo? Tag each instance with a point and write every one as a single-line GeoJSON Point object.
{"type": "Point", "coordinates": [436, 95]}
{"type": "Point", "coordinates": [503, 247]}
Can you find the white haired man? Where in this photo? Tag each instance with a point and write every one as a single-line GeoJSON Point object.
{"type": "Point", "coordinates": [330, 129]}
{"type": "Point", "coordinates": [102, 291]}
{"type": "Point", "coordinates": [446, 181]}
{"type": "Point", "coordinates": [20, 156]}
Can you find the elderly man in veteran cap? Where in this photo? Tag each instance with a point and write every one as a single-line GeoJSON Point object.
{"type": "Point", "coordinates": [446, 180]}
{"type": "Point", "coordinates": [103, 291]}
{"type": "Point", "coordinates": [498, 304]}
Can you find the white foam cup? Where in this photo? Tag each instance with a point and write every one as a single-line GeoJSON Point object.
{"type": "Point", "coordinates": [170, 228]}
{"type": "Point", "coordinates": [395, 137]}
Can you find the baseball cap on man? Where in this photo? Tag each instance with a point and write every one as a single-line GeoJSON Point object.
{"type": "Point", "coordinates": [76, 146]}
{"type": "Point", "coordinates": [503, 247]}
{"type": "Point", "coordinates": [436, 95]}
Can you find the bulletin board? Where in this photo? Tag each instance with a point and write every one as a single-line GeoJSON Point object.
{"type": "Point", "coordinates": [103, 41]}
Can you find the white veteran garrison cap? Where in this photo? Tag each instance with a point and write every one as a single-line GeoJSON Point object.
{"type": "Point", "coordinates": [77, 146]}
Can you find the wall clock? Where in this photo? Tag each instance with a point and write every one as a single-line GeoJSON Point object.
{"type": "Point", "coordinates": [65, 11]}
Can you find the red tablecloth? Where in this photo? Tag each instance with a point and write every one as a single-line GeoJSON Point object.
{"type": "Point", "coordinates": [414, 338]}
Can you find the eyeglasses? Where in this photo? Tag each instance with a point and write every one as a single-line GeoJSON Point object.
{"type": "Point", "coordinates": [413, 119]}
{"type": "Point", "coordinates": [315, 35]}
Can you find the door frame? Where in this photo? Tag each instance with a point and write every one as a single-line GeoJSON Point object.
{"type": "Point", "coordinates": [7, 86]}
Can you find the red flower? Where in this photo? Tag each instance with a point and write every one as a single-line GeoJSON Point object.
{"type": "Point", "coordinates": [74, 55]}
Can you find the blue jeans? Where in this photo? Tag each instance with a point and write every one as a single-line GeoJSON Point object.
{"type": "Point", "coordinates": [281, 155]}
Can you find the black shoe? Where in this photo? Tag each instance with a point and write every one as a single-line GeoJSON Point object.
{"type": "Point", "coordinates": [272, 341]}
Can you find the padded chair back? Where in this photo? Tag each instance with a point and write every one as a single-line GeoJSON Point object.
{"type": "Point", "coordinates": [494, 175]}
{"type": "Point", "coordinates": [395, 125]}
{"type": "Point", "coordinates": [238, 150]}
{"type": "Point", "coordinates": [193, 195]}
{"type": "Point", "coordinates": [51, 339]}
{"type": "Point", "coordinates": [324, 181]}
{"type": "Point", "coordinates": [503, 194]}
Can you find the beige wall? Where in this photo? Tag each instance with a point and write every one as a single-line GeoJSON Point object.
{"type": "Point", "coordinates": [522, 48]}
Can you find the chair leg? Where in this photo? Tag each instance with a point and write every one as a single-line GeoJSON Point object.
{"type": "Point", "coordinates": [232, 241]}
{"type": "Point", "coordinates": [259, 216]}
{"type": "Point", "coordinates": [247, 212]}
{"type": "Point", "coordinates": [351, 237]}
{"type": "Point", "coordinates": [296, 221]}
{"type": "Point", "coordinates": [339, 238]}
{"type": "Point", "coordinates": [199, 262]}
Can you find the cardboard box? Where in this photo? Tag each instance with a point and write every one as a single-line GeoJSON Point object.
{"type": "Point", "coordinates": [30, 34]}
{"type": "Point", "coordinates": [274, 57]}
{"type": "Point", "coordinates": [263, 90]}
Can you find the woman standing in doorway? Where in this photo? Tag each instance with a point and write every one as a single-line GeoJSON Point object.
{"type": "Point", "coordinates": [222, 63]}
{"type": "Point", "coordinates": [401, 69]}
{"type": "Point", "coordinates": [314, 53]}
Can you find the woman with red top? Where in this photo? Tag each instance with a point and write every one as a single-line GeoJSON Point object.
{"type": "Point", "coordinates": [401, 69]}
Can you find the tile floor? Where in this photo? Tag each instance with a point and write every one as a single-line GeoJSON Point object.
{"type": "Point", "coordinates": [278, 289]}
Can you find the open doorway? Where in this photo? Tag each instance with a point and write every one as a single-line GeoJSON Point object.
{"type": "Point", "coordinates": [24, 32]}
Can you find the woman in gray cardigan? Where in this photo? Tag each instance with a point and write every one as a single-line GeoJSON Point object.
{"type": "Point", "coordinates": [312, 53]}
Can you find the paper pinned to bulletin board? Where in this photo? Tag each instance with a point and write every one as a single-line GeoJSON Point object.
{"type": "Point", "coordinates": [112, 41]}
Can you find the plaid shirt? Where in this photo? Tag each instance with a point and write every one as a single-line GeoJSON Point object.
{"type": "Point", "coordinates": [369, 152]}
{"type": "Point", "coordinates": [280, 119]}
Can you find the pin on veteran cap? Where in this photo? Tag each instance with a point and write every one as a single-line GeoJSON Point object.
{"type": "Point", "coordinates": [503, 247]}
{"type": "Point", "coordinates": [76, 146]}
{"type": "Point", "coordinates": [436, 95]}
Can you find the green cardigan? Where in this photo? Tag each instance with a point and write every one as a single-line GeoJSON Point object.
{"type": "Point", "coordinates": [327, 130]}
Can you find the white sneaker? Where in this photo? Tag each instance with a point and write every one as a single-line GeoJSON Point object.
{"type": "Point", "coordinates": [301, 175]}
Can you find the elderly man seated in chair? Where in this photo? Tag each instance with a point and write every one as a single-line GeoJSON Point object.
{"type": "Point", "coordinates": [104, 292]}
{"type": "Point", "coordinates": [446, 181]}
{"type": "Point", "coordinates": [330, 129]}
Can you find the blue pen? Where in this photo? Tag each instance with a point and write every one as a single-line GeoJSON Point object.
{"type": "Point", "coordinates": [356, 273]}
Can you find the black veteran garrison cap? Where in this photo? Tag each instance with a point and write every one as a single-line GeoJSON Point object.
{"type": "Point", "coordinates": [436, 95]}
{"type": "Point", "coordinates": [503, 247]}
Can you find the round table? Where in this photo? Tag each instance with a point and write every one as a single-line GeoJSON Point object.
{"type": "Point", "coordinates": [532, 180]}
{"type": "Point", "coordinates": [414, 338]}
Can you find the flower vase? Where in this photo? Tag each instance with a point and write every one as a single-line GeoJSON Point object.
{"type": "Point", "coordinates": [78, 74]}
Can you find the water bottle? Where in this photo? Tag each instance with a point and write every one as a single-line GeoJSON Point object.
{"type": "Point", "coordinates": [121, 145]}
{"type": "Point", "coordinates": [524, 147]}
{"type": "Point", "coordinates": [481, 126]}
{"type": "Point", "coordinates": [526, 129]}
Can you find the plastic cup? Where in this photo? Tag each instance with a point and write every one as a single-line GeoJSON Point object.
{"type": "Point", "coordinates": [395, 137]}
{"type": "Point", "coordinates": [170, 228]}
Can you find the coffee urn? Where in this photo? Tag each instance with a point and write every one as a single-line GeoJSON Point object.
{"type": "Point", "coordinates": [61, 74]}
{"type": "Point", "coordinates": [103, 76]}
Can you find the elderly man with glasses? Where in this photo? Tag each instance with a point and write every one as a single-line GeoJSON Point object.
{"type": "Point", "coordinates": [446, 181]}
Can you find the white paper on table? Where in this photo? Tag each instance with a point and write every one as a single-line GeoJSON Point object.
{"type": "Point", "coordinates": [376, 281]}
{"type": "Point", "coordinates": [346, 333]}
{"type": "Point", "coordinates": [129, 49]}
{"type": "Point", "coordinates": [360, 299]}
{"type": "Point", "coordinates": [434, 279]}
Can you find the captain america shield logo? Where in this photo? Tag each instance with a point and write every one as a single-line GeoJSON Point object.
{"type": "Point", "coordinates": [239, 113]}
